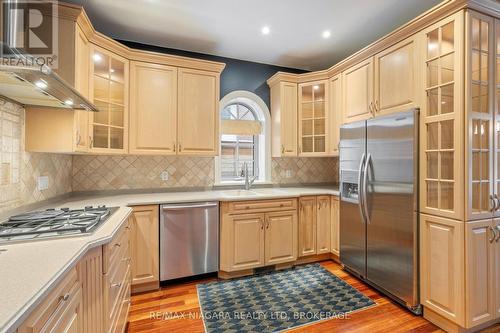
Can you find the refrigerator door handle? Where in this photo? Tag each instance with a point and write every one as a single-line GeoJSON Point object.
{"type": "Point", "coordinates": [365, 187]}
{"type": "Point", "coordinates": [360, 188]}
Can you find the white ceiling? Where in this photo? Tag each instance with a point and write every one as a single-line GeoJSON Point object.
{"type": "Point", "coordinates": [232, 28]}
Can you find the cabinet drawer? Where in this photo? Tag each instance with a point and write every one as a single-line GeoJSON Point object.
{"type": "Point", "coordinates": [121, 295]}
{"type": "Point", "coordinates": [116, 280]}
{"type": "Point", "coordinates": [258, 206]}
{"type": "Point", "coordinates": [121, 317]}
{"type": "Point", "coordinates": [112, 250]}
{"type": "Point", "coordinates": [47, 315]}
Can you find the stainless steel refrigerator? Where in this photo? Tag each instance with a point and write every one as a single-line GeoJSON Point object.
{"type": "Point", "coordinates": [379, 204]}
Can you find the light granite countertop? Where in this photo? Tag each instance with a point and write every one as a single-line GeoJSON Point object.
{"type": "Point", "coordinates": [30, 270]}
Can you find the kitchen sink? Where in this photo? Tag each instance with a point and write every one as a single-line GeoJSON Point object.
{"type": "Point", "coordinates": [240, 193]}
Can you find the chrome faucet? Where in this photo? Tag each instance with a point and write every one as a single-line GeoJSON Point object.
{"type": "Point", "coordinates": [244, 173]}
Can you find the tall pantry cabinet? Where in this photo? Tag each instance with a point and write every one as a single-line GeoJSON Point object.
{"type": "Point", "coordinates": [460, 174]}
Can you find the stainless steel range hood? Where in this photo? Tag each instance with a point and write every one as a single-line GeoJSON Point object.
{"type": "Point", "coordinates": [40, 86]}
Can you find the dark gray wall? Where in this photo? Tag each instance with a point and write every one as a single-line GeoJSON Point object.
{"type": "Point", "coordinates": [238, 74]}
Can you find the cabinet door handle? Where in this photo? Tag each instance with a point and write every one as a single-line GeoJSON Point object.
{"type": "Point", "coordinates": [261, 224]}
{"type": "Point", "coordinates": [493, 203]}
{"type": "Point", "coordinates": [282, 149]}
{"type": "Point", "coordinates": [78, 137]}
{"type": "Point", "coordinates": [498, 234]}
{"type": "Point", "coordinates": [91, 141]}
{"type": "Point", "coordinates": [116, 285]}
{"type": "Point", "coordinates": [175, 146]}
{"type": "Point", "coordinates": [376, 106]}
{"type": "Point", "coordinates": [267, 223]}
{"type": "Point", "coordinates": [497, 199]}
{"type": "Point", "coordinates": [494, 234]}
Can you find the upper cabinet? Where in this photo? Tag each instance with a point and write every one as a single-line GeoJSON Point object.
{"type": "Point", "coordinates": [109, 83]}
{"type": "Point", "coordinates": [396, 78]}
{"type": "Point", "coordinates": [441, 119]}
{"type": "Point", "coordinates": [334, 114]}
{"type": "Point", "coordinates": [313, 118]}
{"type": "Point", "coordinates": [149, 103]}
{"type": "Point", "coordinates": [284, 119]}
{"type": "Point", "coordinates": [198, 105]}
{"type": "Point", "coordinates": [153, 108]}
{"type": "Point", "coordinates": [357, 83]}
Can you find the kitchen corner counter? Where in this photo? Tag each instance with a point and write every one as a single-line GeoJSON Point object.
{"type": "Point", "coordinates": [29, 271]}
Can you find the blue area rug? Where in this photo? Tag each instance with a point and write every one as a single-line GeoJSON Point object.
{"type": "Point", "coordinates": [277, 301]}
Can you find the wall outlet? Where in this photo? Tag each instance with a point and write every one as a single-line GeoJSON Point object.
{"type": "Point", "coordinates": [43, 183]}
{"type": "Point", "coordinates": [288, 173]}
{"type": "Point", "coordinates": [164, 176]}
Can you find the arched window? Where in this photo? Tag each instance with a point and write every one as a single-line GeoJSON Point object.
{"type": "Point", "coordinates": [244, 138]}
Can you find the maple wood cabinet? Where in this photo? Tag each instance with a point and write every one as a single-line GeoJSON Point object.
{"type": "Point", "coordinates": [198, 112]}
{"type": "Point", "coordinates": [153, 108]}
{"type": "Point", "coordinates": [93, 296]}
{"type": "Point", "coordinates": [144, 248]}
{"type": "Point", "coordinates": [357, 85]}
{"type": "Point", "coordinates": [314, 225]}
{"type": "Point", "coordinates": [313, 118]}
{"type": "Point", "coordinates": [334, 114]}
{"type": "Point", "coordinates": [284, 115]}
{"type": "Point", "coordinates": [72, 135]}
{"type": "Point", "coordinates": [251, 240]}
{"type": "Point", "coordinates": [323, 224]}
{"type": "Point", "coordinates": [335, 225]}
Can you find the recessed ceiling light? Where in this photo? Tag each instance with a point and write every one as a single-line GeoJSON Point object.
{"type": "Point", "coordinates": [68, 102]}
{"type": "Point", "coordinates": [265, 30]}
{"type": "Point", "coordinates": [316, 87]}
{"type": "Point", "coordinates": [326, 34]}
{"type": "Point", "coordinates": [41, 84]}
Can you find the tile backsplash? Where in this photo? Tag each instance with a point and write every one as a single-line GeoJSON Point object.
{"type": "Point", "coordinates": [101, 172]}
{"type": "Point", "coordinates": [19, 169]}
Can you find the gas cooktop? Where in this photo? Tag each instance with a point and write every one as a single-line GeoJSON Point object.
{"type": "Point", "coordinates": [54, 223]}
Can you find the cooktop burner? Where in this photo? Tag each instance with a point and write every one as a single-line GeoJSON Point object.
{"type": "Point", "coordinates": [54, 222]}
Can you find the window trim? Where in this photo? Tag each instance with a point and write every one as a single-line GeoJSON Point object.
{"type": "Point", "coordinates": [264, 140]}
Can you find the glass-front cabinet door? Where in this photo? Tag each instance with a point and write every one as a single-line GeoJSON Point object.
{"type": "Point", "coordinates": [442, 119]}
{"type": "Point", "coordinates": [496, 107]}
{"type": "Point", "coordinates": [313, 118]}
{"type": "Point", "coordinates": [109, 89]}
{"type": "Point", "coordinates": [480, 116]}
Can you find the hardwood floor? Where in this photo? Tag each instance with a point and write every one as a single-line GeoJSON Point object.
{"type": "Point", "coordinates": [182, 300]}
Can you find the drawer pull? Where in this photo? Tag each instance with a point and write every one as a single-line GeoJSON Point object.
{"type": "Point", "coordinates": [126, 259]}
{"type": "Point", "coordinates": [60, 304]}
{"type": "Point", "coordinates": [116, 285]}
{"type": "Point", "coordinates": [118, 244]}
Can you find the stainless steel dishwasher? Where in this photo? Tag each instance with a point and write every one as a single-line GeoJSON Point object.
{"type": "Point", "coordinates": [189, 239]}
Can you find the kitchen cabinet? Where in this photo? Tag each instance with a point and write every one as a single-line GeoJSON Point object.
{"type": "Point", "coordinates": [396, 78]}
{"type": "Point", "coordinates": [482, 118]}
{"type": "Point", "coordinates": [144, 247]}
{"type": "Point", "coordinates": [198, 112]}
{"type": "Point", "coordinates": [313, 118]}
{"type": "Point", "coordinates": [307, 226]}
{"type": "Point", "coordinates": [442, 266]}
{"type": "Point", "coordinates": [335, 226]}
{"type": "Point", "coordinates": [323, 224]}
{"type": "Point", "coordinates": [72, 135]}
{"type": "Point", "coordinates": [496, 269]}
{"type": "Point", "coordinates": [91, 275]}
{"type": "Point", "coordinates": [480, 272]}
{"type": "Point", "coordinates": [284, 115]}
{"type": "Point", "coordinates": [258, 233]}
{"type": "Point", "coordinates": [280, 237]}
{"type": "Point", "coordinates": [441, 119]}
{"type": "Point", "coordinates": [334, 114]}
{"type": "Point", "coordinates": [60, 311]}
{"type": "Point", "coordinates": [153, 109]}
{"type": "Point", "coordinates": [357, 85]}
{"type": "Point", "coordinates": [242, 242]}
{"type": "Point", "coordinates": [109, 87]}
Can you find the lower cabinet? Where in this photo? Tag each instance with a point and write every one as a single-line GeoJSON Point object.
{"type": "Point", "coordinates": [460, 271]}
{"type": "Point", "coordinates": [335, 225]}
{"type": "Point", "coordinates": [61, 311]}
{"type": "Point", "coordinates": [144, 248]}
{"type": "Point", "coordinates": [254, 240]}
{"type": "Point", "coordinates": [314, 225]}
{"type": "Point", "coordinates": [442, 285]}
{"type": "Point", "coordinates": [307, 226]}
{"type": "Point", "coordinates": [94, 296]}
